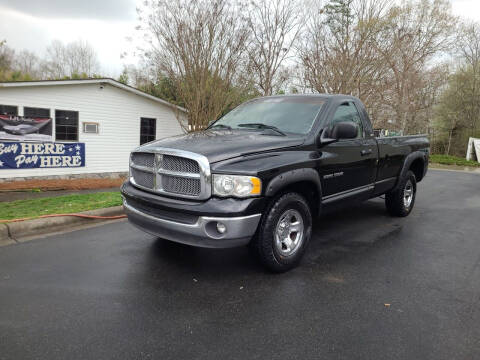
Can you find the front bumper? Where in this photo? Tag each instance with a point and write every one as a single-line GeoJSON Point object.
{"type": "Point", "coordinates": [197, 228]}
{"type": "Point", "coordinates": [203, 233]}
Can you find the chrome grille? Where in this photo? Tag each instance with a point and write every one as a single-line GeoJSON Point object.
{"type": "Point", "coordinates": [180, 185]}
{"type": "Point", "coordinates": [143, 178]}
{"type": "Point", "coordinates": [144, 159]}
{"type": "Point", "coordinates": [169, 171]}
{"type": "Point", "coordinates": [179, 164]}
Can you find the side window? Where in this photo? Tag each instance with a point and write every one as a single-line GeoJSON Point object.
{"type": "Point", "coordinates": [147, 130]}
{"type": "Point", "coordinates": [348, 112]}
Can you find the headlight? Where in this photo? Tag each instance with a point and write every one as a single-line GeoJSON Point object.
{"type": "Point", "coordinates": [234, 185]}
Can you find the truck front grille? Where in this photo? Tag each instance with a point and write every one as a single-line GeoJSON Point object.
{"type": "Point", "coordinates": [179, 185]}
{"type": "Point", "coordinates": [143, 178]}
{"type": "Point", "coordinates": [144, 159]}
{"type": "Point", "coordinates": [175, 163]}
{"type": "Point", "coordinates": [166, 172]}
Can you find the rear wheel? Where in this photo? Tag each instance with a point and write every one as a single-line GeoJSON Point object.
{"type": "Point", "coordinates": [400, 201]}
{"type": "Point", "coordinates": [284, 233]}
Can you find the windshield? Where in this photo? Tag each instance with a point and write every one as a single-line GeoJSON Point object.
{"type": "Point", "coordinates": [287, 114]}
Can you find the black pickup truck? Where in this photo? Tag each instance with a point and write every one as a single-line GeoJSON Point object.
{"type": "Point", "coordinates": [262, 173]}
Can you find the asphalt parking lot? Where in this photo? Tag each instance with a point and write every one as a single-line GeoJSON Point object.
{"type": "Point", "coordinates": [112, 292]}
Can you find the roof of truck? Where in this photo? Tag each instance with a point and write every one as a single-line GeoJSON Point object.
{"type": "Point", "coordinates": [326, 96]}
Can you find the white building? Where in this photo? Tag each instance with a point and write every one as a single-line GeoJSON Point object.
{"type": "Point", "coordinates": [108, 117]}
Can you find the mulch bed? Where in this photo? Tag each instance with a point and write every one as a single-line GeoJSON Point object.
{"type": "Point", "coordinates": [72, 184]}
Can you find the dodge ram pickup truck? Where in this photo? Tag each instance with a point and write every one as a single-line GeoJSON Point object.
{"type": "Point", "coordinates": [262, 173]}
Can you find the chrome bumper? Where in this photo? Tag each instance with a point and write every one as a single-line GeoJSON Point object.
{"type": "Point", "coordinates": [203, 233]}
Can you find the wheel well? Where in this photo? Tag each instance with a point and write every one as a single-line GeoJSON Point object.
{"type": "Point", "coordinates": [308, 190]}
{"type": "Point", "coordinates": [417, 167]}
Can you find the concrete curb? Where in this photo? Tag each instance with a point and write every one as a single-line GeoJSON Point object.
{"type": "Point", "coordinates": [475, 171]}
{"type": "Point", "coordinates": [11, 233]}
{"type": "Point", "coordinates": [4, 236]}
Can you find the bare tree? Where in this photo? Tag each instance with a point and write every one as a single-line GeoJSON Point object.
{"type": "Point", "coordinates": [414, 33]}
{"type": "Point", "coordinates": [200, 46]}
{"type": "Point", "coordinates": [7, 56]}
{"type": "Point", "coordinates": [72, 59]}
{"type": "Point", "coordinates": [457, 116]}
{"type": "Point", "coordinates": [28, 63]}
{"type": "Point", "coordinates": [8, 68]}
{"type": "Point", "coordinates": [468, 43]}
{"type": "Point", "coordinates": [382, 53]}
{"type": "Point", "coordinates": [55, 64]}
{"type": "Point", "coordinates": [82, 58]}
{"type": "Point", "coordinates": [336, 51]}
{"type": "Point", "coordinates": [468, 47]}
{"type": "Point", "coordinates": [275, 26]}
{"type": "Point", "coordinates": [453, 113]}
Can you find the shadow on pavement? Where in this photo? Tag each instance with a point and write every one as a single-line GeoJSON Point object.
{"type": "Point", "coordinates": [336, 236]}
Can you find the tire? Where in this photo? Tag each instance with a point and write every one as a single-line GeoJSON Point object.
{"type": "Point", "coordinates": [397, 201]}
{"type": "Point", "coordinates": [285, 214]}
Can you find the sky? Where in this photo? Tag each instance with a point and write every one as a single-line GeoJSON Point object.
{"type": "Point", "coordinates": [469, 9]}
{"type": "Point", "coordinates": [106, 24]}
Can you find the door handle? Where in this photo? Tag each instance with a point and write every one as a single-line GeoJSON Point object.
{"type": "Point", "coordinates": [366, 152]}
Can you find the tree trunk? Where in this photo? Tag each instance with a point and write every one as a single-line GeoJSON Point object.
{"type": "Point", "coordinates": [449, 142]}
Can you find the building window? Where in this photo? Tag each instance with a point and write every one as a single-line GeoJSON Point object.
{"type": "Point", "coordinates": [147, 130]}
{"type": "Point", "coordinates": [66, 125]}
{"type": "Point", "coordinates": [32, 112]}
{"type": "Point", "coordinates": [8, 110]}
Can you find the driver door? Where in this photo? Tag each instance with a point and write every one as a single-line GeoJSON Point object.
{"type": "Point", "coordinates": [347, 166]}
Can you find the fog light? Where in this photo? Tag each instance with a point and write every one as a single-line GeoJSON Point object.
{"type": "Point", "coordinates": [221, 228]}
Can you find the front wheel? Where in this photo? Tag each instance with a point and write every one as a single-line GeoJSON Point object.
{"type": "Point", "coordinates": [284, 233]}
{"type": "Point", "coordinates": [400, 202]}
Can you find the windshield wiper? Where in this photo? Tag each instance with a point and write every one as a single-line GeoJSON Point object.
{"type": "Point", "coordinates": [221, 126]}
{"type": "Point", "coordinates": [262, 127]}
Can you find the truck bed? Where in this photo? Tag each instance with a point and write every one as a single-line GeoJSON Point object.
{"type": "Point", "coordinates": [392, 152]}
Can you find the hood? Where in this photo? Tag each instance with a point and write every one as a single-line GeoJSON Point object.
{"type": "Point", "coordinates": [223, 145]}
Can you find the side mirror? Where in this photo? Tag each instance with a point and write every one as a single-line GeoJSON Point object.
{"type": "Point", "coordinates": [324, 139]}
{"type": "Point", "coordinates": [341, 130]}
{"type": "Point", "coordinates": [345, 130]}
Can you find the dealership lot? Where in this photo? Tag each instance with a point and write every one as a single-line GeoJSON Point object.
{"type": "Point", "coordinates": [371, 286]}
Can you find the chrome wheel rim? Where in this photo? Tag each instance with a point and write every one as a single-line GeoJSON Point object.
{"type": "Point", "coordinates": [289, 232]}
{"type": "Point", "coordinates": [408, 194]}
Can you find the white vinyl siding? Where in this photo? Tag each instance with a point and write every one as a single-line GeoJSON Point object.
{"type": "Point", "coordinates": [116, 111]}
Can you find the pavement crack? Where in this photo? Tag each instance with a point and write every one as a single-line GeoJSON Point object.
{"type": "Point", "coordinates": [10, 234]}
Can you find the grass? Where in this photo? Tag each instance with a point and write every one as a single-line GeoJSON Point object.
{"type": "Point", "coordinates": [58, 205]}
{"type": "Point", "coordinates": [452, 160]}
